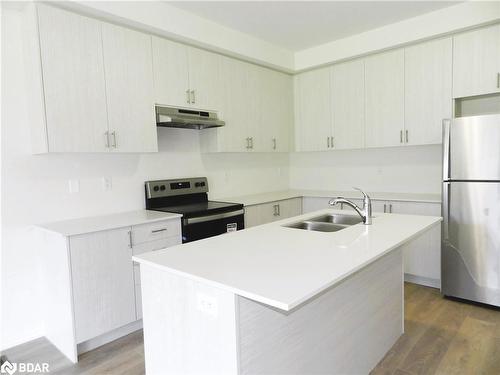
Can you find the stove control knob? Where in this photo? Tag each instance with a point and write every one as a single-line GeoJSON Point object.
{"type": "Point", "coordinates": [202, 183]}
{"type": "Point", "coordinates": [156, 188]}
{"type": "Point", "coordinates": [162, 187]}
{"type": "Point", "coordinates": [197, 184]}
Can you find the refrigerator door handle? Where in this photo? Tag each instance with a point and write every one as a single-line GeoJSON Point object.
{"type": "Point", "coordinates": [446, 149]}
{"type": "Point", "coordinates": [446, 209]}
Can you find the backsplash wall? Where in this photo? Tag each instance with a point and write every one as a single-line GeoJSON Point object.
{"type": "Point", "coordinates": [412, 169]}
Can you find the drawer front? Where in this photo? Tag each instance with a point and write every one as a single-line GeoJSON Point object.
{"type": "Point", "coordinates": [156, 245]}
{"type": "Point", "coordinates": [155, 231]}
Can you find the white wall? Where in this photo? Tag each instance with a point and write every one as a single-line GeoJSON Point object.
{"type": "Point", "coordinates": [35, 188]}
{"type": "Point", "coordinates": [414, 169]}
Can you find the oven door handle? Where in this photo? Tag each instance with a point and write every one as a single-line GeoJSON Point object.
{"type": "Point", "coordinates": [202, 219]}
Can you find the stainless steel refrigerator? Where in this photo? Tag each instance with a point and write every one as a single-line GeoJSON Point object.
{"type": "Point", "coordinates": [470, 250]}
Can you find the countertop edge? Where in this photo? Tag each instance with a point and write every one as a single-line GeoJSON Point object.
{"type": "Point", "coordinates": [52, 227]}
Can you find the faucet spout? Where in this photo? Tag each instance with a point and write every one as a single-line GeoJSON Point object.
{"type": "Point", "coordinates": [365, 212]}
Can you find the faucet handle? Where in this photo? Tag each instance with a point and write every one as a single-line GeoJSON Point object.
{"type": "Point", "coordinates": [332, 202]}
{"type": "Point", "coordinates": [362, 192]}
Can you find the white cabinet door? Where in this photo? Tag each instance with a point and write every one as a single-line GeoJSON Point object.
{"type": "Point", "coordinates": [103, 282]}
{"type": "Point", "coordinates": [205, 79]}
{"type": "Point", "coordinates": [422, 256]}
{"type": "Point", "coordinates": [348, 105]}
{"type": "Point", "coordinates": [171, 79]}
{"type": "Point", "coordinates": [428, 76]}
{"type": "Point", "coordinates": [277, 109]}
{"type": "Point", "coordinates": [73, 79]}
{"type": "Point", "coordinates": [289, 208]}
{"type": "Point", "coordinates": [384, 93]}
{"type": "Point", "coordinates": [476, 62]}
{"type": "Point", "coordinates": [129, 87]}
{"type": "Point", "coordinates": [240, 106]}
{"type": "Point", "coordinates": [313, 118]}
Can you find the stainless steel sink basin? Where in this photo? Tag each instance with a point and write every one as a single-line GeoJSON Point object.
{"type": "Point", "coordinates": [326, 223]}
{"type": "Point", "coordinates": [338, 219]}
{"type": "Point", "coordinates": [311, 225]}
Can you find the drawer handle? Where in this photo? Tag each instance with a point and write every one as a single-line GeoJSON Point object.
{"type": "Point", "coordinates": [159, 230]}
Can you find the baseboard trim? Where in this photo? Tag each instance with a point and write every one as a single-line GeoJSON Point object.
{"type": "Point", "coordinates": [108, 337]}
{"type": "Point", "coordinates": [421, 280]}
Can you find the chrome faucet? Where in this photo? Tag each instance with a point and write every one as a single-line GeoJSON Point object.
{"type": "Point", "coordinates": [365, 213]}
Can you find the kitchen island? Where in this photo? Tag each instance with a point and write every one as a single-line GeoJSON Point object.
{"type": "Point", "coordinates": [275, 299]}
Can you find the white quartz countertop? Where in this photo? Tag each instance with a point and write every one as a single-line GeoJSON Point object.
{"type": "Point", "coordinates": [249, 200]}
{"type": "Point", "coordinates": [105, 222]}
{"type": "Point", "coordinates": [284, 267]}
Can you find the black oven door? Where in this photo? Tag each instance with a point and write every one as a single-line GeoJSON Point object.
{"type": "Point", "coordinates": [196, 228]}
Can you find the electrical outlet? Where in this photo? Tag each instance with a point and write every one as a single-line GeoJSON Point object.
{"type": "Point", "coordinates": [74, 186]}
{"type": "Point", "coordinates": [107, 183]}
{"type": "Point", "coordinates": [207, 305]}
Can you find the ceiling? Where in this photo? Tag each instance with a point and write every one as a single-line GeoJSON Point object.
{"type": "Point", "coordinates": [297, 25]}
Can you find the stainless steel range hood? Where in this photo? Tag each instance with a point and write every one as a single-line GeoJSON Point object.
{"type": "Point", "coordinates": [172, 117]}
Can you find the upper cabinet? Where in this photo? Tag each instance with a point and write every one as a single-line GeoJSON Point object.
{"type": "Point", "coordinates": [97, 85]}
{"type": "Point", "coordinates": [73, 82]}
{"type": "Point", "coordinates": [384, 93]}
{"type": "Point", "coordinates": [205, 79]}
{"type": "Point", "coordinates": [185, 76]}
{"type": "Point", "coordinates": [476, 62]}
{"type": "Point", "coordinates": [428, 77]}
{"type": "Point", "coordinates": [277, 113]}
{"type": "Point", "coordinates": [348, 105]}
{"type": "Point", "coordinates": [129, 89]}
{"type": "Point", "coordinates": [256, 104]}
{"type": "Point", "coordinates": [313, 117]}
{"type": "Point", "coordinates": [171, 73]}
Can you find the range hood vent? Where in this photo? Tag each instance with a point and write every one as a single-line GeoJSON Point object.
{"type": "Point", "coordinates": [172, 117]}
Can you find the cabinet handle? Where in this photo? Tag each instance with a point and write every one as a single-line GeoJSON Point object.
{"type": "Point", "coordinates": [327, 142]}
{"type": "Point", "coordinates": [248, 143]}
{"type": "Point", "coordinates": [113, 133]}
{"type": "Point", "coordinates": [188, 98]}
{"type": "Point", "coordinates": [276, 210]}
{"type": "Point", "coordinates": [106, 139]}
{"type": "Point", "coordinates": [274, 143]}
{"type": "Point", "coordinates": [130, 239]}
{"type": "Point", "coordinates": [331, 142]}
{"type": "Point", "coordinates": [251, 143]}
{"type": "Point", "coordinates": [406, 134]}
{"type": "Point", "coordinates": [385, 206]}
{"type": "Point", "coordinates": [158, 230]}
{"type": "Point", "coordinates": [498, 80]}
{"type": "Point", "coordinates": [400, 136]}
{"type": "Point", "coordinates": [390, 208]}
{"type": "Point", "coordinates": [193, 97]}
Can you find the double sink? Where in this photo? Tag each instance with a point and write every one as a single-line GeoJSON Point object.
{"type": "Point", "coordinates": [326, 223]}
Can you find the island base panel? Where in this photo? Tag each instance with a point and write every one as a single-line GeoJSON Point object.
{"type": "Point", "coordinates": [346, 330]}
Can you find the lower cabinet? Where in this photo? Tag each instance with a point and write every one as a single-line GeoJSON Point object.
{"type": "Point", "coordinates": [102, 281]}
{"type": "Point", "coordinates": [94, 286]}
{"type": "Point", "coordinates": [272, 211]}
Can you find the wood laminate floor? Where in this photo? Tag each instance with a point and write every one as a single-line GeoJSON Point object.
{"type": "Point", "coordinates": [442, 336]}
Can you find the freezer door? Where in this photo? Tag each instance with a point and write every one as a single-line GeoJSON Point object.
{"type": "Point", "coordinates": [474, 148]}
{"type": "Point", "coordinates": [470, 251]}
